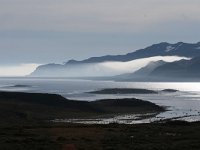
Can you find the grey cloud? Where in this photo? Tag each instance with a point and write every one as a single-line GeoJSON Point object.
{"type": "Point", "coordinates": [93, 15]}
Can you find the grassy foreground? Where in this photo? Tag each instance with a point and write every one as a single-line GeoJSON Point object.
{"type": "Point", "coordinates": [167, 136]}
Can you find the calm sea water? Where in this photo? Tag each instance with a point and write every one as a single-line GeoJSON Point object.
{"type": "Point", "coordinates": [182, 105]}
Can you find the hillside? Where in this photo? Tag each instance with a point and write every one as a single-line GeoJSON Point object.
{"type": "Point", "coordinates": [99, 66]}
{"type": "Point", "coordinates": [185, 69]}
{"type": "Point", "coordinates": [141, 73]}
{"type": "Point", "coordinates": [33, 107]}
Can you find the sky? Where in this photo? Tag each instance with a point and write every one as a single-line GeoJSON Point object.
{"type": "Point", "coordinates": [44, 31]}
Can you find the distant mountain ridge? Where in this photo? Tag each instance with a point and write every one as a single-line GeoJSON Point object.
{"type": "Point", "coordinates": [162, 49]}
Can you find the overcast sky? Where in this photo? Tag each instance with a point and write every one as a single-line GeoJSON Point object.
{"type": "Point", "coordinates": [43, 31]}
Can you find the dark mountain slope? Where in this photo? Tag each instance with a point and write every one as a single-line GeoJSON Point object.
{"type": "Point", "coordinates": [141, 73]}
{"type": "Point", "coordinates": [179, 69]}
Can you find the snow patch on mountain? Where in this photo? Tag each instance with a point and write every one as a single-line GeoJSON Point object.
{"type": "Point", "coordinates": [169, 48]}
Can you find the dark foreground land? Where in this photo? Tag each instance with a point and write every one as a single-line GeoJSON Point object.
{"type": "Point", "coordinates": [25, 125]}
{"type": "Point", "coordinates": [166, 136]}
{"type": "Point", "coordinates": [28, 108]}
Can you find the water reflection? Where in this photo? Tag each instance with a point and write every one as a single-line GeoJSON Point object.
{"type": "Point", "coordinates": [184, 104]}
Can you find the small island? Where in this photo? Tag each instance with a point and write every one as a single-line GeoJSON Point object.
{"type": "Point", "coordinates": [170, 90]}
{"type": "Point", "coordinates": [123, 91]}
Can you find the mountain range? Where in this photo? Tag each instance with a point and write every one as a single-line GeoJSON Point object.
{"type": "Point", "coordinates": [107, 65]}
{"type": "Point", "coordinates": [161, 49]}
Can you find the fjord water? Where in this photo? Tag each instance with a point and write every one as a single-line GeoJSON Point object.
{"type": "Point", "coordinates": [184, 104]}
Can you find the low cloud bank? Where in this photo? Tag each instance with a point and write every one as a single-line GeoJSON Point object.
{"type": "Point", "coordinates": [17, 70]}
{"type": "Point", "coordinates": [84, 70]}
{"type": "Point", "coordinates": [102, 69]}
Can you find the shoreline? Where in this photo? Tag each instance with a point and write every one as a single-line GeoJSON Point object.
{"type": "Point", "coordinates": [33, 107]}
